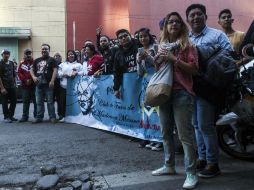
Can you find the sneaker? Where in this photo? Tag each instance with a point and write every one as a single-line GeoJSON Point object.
{"type": "Point", "coordinates": [61, 120]}
{"type": "Point", "coordinates": [191, 181]}
{"type": "Point", "coordinates": [23, 120]}
{"type": "Point", "coordinates": [53, 120]}
{"type": "Point", "coordinates": [201, 165]}
{"type": "Point", "coordinates": [7, 120]}
{"type": "Point", "coordinates": [157, 147]}
{"type": "Point", "coordinates": [164, 171]}
{"type": "Point", "coordinates": [151, 145]}
{"type": "Point", "coordinates": [212, 170]}
{"type": "Point", "coordinates": [13, 119]}
{"type": "Point", "coordinates": [143, 143]}
{"type": "Point", "coordinates": [37, 121]}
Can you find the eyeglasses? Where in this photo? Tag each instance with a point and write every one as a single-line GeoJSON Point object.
{"type": "Point", "coordinates": [178, 22]}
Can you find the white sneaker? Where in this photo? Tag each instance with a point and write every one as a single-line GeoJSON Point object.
{"type": "Point", "coordinates": [164, 171]}
{"type": "Point", "coordinates": [191, 181]}
{"type": "Point", "coordinates": [61, 120]}
{"type": "Point", "coordinates": [150, 145]}
{"type": "Point", "coordinates": [157, 147]}
{"type": "Point", "coordinates": [7, 120]}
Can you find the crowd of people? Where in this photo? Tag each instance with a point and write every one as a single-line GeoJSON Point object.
{"type": "Point", "coordinates": [193, 116]}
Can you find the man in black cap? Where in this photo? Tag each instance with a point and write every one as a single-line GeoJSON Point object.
{"type": "Point", "coordinates": [28, 86]}
{"type": "Point", "coordinates": [8, 86]}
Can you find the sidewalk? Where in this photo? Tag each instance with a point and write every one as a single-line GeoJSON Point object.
{"type": "Point", "coordinates": [236, 175]}
{"type": "Point", "coordinates": [113, 161]}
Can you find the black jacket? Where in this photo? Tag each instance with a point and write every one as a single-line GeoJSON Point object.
{"type": "Point", "coordinates": [249, 37]}
{"type": "Point", "coordinates": [124, 62]}
{"type": "Point", "coordinates": [7, 74]}
{"type": "Point", "coordinates": [109, 60]}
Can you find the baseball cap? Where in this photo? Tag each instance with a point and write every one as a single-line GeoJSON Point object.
{"type": "Point", "coordinates": [27, 51]}
{"type": "Point", "coordinates": [5, 51]}
{"type": "Point", "coordinates": [161, 23]}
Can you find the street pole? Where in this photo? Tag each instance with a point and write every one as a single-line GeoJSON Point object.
{"type": "Point", "coordinates": [74, 34]}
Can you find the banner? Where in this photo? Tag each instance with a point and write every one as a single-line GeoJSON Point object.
{"type": "Point", "coordinates": [91, 102]}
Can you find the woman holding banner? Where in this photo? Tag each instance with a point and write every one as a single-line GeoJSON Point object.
{"type": "Point", "coordinates": [68, 69]}
{"type": "Point", "coordinates": [146, 52]}
{"type": "Point", "coordinates": [94, 66]}
{"type": "Point", "coordinates": [179, 108]}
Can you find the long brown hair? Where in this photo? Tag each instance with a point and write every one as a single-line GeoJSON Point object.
{"type": "Point", "coordinates": [183, 35]}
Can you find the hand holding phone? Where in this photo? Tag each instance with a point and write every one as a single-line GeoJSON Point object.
{"type": "Point", "coordinates": [142, 53]}
{"type": "Point", "coordinates": [141, 50]}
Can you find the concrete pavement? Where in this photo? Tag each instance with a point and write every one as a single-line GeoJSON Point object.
{"type": "Point", "coordinates": [114, 162]}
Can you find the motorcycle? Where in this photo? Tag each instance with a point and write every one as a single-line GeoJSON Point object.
{"type": "Point", "coordinates": [235, 127]}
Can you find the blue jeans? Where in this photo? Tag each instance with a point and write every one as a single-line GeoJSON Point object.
{"type": "Point", "coordinates": [204, 124]}
{"type": "Point", "coordinates": [179, 110]}
{"type": "Point", "coordinates": [41, 93]}
{"type": "Point", "coordinates": [28, 94]}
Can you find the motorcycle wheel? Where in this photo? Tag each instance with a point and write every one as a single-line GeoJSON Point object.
{"type": "Point", "coordinates": [228, 143]}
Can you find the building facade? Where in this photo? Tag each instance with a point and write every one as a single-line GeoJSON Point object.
{"type": "Point", "coordinates": [30, 23]}
{"type": "Point", "coordinates": [66, 24]}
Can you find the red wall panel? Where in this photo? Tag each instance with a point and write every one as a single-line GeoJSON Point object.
{"type": "Point", "coordinates": [134, 14]}
{"type": "Point", "coordinates": [89, 14]}
{"type": "Point", "coordinates": [149, 12]}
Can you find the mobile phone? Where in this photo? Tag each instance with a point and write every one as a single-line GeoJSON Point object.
{"type": "Point", "coordinates": [156, 48]}
{"type": "Point", "coordinates": [141, 50]}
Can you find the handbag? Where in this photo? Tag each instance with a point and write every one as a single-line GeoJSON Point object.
{"type": "Point", "coordinates": [159, 87]}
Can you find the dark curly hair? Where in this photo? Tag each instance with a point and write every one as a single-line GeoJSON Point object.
{"type": "Point", "coordinates": [92, 48]}
{"type": "Point", "coordinates": [75, 55]}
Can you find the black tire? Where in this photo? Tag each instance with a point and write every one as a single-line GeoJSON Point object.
{"type": "Point", "coordinates": [224, 133]}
